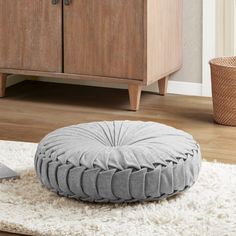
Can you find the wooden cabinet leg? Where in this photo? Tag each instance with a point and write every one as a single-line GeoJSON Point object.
{"type": "Point", "coordinates": [134, 96]}
{"type": "Point", "coordinates": [3, 79]}
{"type": "Point", "coordinates": [163, 85]}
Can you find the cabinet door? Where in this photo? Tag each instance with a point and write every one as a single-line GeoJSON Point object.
{"type": "Point", "coordinates": [104, 38]}
{"type": "Point", "coordinates": [31, 35]}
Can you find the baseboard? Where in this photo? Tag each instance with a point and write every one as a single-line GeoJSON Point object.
{"type": "Point", "coordinates": [185, 88]}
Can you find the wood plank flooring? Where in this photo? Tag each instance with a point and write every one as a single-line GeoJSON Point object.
{"type": "Point", "coordinates": [32, 109]}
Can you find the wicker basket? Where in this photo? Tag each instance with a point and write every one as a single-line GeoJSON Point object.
{"type": "Point", "coordinates": [223, 75]}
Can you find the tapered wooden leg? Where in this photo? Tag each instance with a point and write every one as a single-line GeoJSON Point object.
{"type": "Point", "coordinates": [134, 96]}
{"type": "Point", "coordinates": [3, 79]}
{"type": "Point", "coordinates": [163, 85]}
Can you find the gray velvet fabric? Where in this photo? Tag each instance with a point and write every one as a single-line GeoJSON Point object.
{"type": "Point", "coordinates": [118, 161]}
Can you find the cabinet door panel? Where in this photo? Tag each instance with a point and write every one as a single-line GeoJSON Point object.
{"type": "Point", "coordinates": [105, 38]}
{"type": "Point", "coordinates": [31, 35]}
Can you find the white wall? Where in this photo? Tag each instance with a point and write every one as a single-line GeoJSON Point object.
{"type": "Point", "coordinates": [226, 28]}
{"type": "Point", "coordinates": [192, 43]}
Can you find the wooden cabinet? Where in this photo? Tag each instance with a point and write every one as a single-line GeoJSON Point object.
{"type": "Point", "coordinates": [30, 35]}
{"type": "Point", "coordinates": [134, 42]}
{"type": "Point", "coordinates": [104, 38]}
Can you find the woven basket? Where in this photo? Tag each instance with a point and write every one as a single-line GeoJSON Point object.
{"type": "Point", "coordinates": [223, 75]}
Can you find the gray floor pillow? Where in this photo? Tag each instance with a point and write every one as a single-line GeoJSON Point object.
{"type": "Point", "coordinates": [119, 161]}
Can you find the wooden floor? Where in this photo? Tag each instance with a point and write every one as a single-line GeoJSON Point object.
{"type": "Point", "coordinates": [32, 109]}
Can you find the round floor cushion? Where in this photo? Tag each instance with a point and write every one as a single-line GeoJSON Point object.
{"type": "Point", "coordinates": [118, 161]}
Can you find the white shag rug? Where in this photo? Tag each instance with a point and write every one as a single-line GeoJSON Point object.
{"type": "Point", "coordinates": [207, 209]}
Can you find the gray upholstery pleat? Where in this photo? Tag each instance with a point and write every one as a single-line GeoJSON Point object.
{"type": "Point", "coordinates": [179, 176]}
{"type": "Point", "coordinates": [196, 165]}
{"type": "Point", "coordinates": [153, 182]}
{"type": "Point", "coordinates": [120, 184]}
{"type": "Point", "coordinates": [167, 185]}
{"type": "Point", "coordinates": [188, 173]}
{"type": "Point", "coordinates": [44, 172]}
{"type": "Point", "coordinates": [89, 182]}
{"type": "Point", "coordinates": [104, 184]}
{"type": "Point", "coordinates": [137, 184]}
{"type": "Point", "coordinates": [62, 178]}
{"type": "Point", "coordinates": [118, 161]}
{"type": "Point", "coordinates": [38, 165]}
{"type": "Point", "coordinates": [74, 181]}
{"type": "Point", "coordinates": [52, 174]}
